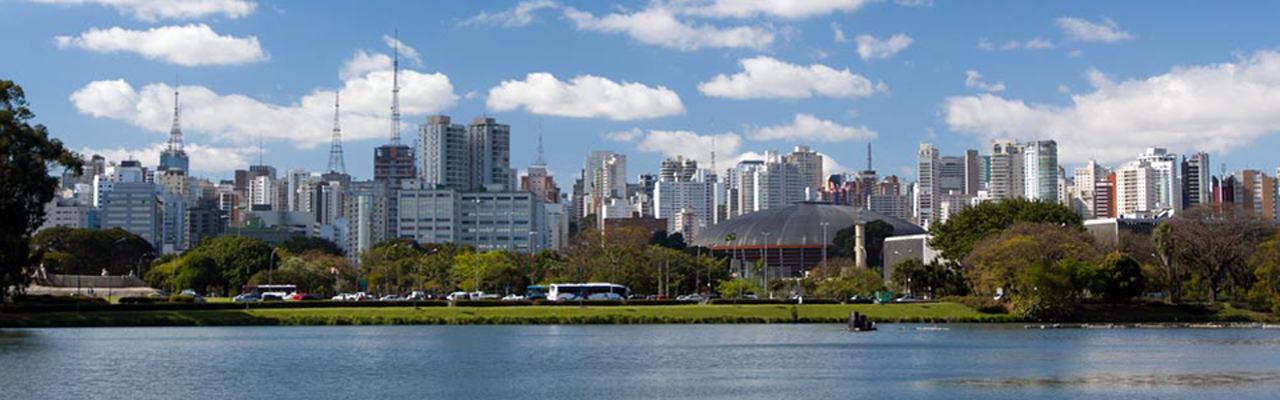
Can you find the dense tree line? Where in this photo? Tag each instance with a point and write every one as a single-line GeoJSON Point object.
{"type": "Point", "coordinates": [26, 153]}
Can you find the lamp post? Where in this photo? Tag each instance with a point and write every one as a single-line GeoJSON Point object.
{"type": "Point", "coordinates": [824, 241]}
{"type": "Point", "coordinates": [764, 257]}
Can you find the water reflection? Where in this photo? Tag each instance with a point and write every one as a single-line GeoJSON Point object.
{"type": "Point", "coordinates": [635, 362]}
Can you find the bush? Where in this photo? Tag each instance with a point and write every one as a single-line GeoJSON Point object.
{"type": "Point", "coordinates": [142, 300]}
{"type": "Point", "coordinates": [982, 304]}
{"type": "Point", "coordinates": [48, 299]}
{"type": "Point", "coordinates": [666, 302]}
{"type": "Point", "coordinates": [492, 303]}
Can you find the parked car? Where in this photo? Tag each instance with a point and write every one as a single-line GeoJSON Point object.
{"type": "Point", "coordinates": [271, 297]}
{"type": "Point", "coordinates": [859, 299]}
{"type": "Point", "coordinates": [302, 296]}
{"type": "Point", "coordinates": [690, 297]}
{"type": "Point", "coordinates": [243, 297]}
{"type": "Point", "coordinates": [417, 295]}
{"type": "Point", "coordinates": [391, 297]}
{"type": "Point", "coordinates": [605, 296]}
{"type": "Point", "coordinates": [485, 296]}
{"type": "Point", "coordinates": [512, 297]}
{"type": "Point", "coordinates": [456, 296]}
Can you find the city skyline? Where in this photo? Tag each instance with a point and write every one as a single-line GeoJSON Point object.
{"type": "Point", "coordinates": [952, 82]}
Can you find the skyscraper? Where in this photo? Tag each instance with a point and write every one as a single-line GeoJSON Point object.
{"type": "Point", "coordinates": [928, 175]}
{"type": "Point", "coordinates": [490, 144]}
{"type": "Point", "coordinates": [1196, 180]}
{"type": "Point", "coordinates": [1040, 170]}
{"type": "Point", "coordinates": [809, 165]}
{"type": "Point", "coordinates": [972, 172]}
{"type": "Point", "coordinates": [1169, 183]}
{"type": "Point", "coordinates": [1136, 190]}
{"type": "Point", "coordinates": [1006, 176]}
{"type": "Point", "coordinates": [951, 175]}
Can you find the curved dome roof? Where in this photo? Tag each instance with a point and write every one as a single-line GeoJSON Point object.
{"type": "Point", "coordinates": [797, 225]}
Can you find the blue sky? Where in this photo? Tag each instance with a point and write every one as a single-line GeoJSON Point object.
{"type": "Point", "coordinates": [1104, 78]}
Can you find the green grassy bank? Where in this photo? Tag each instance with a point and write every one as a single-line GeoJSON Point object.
{"type": "Point", "coordinates": [681, 314]}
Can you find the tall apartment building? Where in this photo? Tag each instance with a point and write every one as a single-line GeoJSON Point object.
{"type": "Point", "coordinates": [604, 177]}
{"type": "Point", "coordinates": [1104, 197]}
{"type": "Point", "coordinates": [1040, 170]}
{"type": "Point", "coordinates": [1137, 190]}
{"type": "Point", "coordinates": [1255, 191]}
{"type": "Point", "coordinates": [928, 185]}
{"type": "Point", "coordinates": [808, 165]}
{"type": "Point", "coordinates": [1006, 175]}
{"type": "Point", "coordinates": [444, 154]}
{"type": "Point", "coordinates": [1086, 178]}
{"type": "Point", "coordinates": [393, 163]}
{"type": "Point", "coordinates": [1197, 180]}
{"type": "Point", "coordinates": [1169, 182]}
{"type": "Point", "coordinates": [490, 144]}
{"type": "Point", "coordinates": [686, 201]}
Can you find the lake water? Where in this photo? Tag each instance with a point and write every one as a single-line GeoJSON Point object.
{"type": "Point", "coordinates": [636, 362]}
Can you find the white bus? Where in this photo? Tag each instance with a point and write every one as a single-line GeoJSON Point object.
{"type": "Point", "coordinates": [587, 291]}
{"type": "Point", "coordinates": [281, 291]}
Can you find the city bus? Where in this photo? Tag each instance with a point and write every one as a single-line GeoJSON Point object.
{"type": "Point", "coordinates": [587, 291]}
{"type": "Point", "coordinates": [280, 291]}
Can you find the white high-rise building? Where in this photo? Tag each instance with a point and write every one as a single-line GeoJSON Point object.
{"type": "Point", "coordinates": [1169, 184]}
{"type": "Point", "coordinates": [1085, 178]}
{"type": "Point", "coordinates": [1040, 170]}
{"type": "Point", "coordinates": [677, 196]}
{"type": "Point", "coordinates": [1137, 190]}
{"type": "Point", "coordinates": [927, 185]}
{"type": "Point", "coordinates": [604, 177]}
{"type": "Point", "coordinates": [808, 164]}
{"type": "Point", "coordinates": [1006, 176]}
{"type": "Point", "coordinates": [262, 192]}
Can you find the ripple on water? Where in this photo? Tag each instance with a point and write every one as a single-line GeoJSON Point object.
{"type": "Point", "coordinates": [1216, 379]}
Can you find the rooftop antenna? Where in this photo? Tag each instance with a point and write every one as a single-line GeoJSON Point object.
{"type": "Point", "coordinates": [539, 160]}
{"type": "Point", "coordinates": [336, 163]}
{"type": "Point", "coordinates": [395, 91]}
{"type": "Point", "coordinates": [260, 149]}
{"type": "Point", "coordinates": [175, 132]}
{"type": "Point", "coordinates": [869, 156]}
{"type": "Point", "coordinates": [713, 145]}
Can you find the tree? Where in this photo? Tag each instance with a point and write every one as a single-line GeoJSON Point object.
{"type": "Point", "coordinates": [672, 241]}
{"type": "Point", "coordinates": [88, 251]}
{"type": "Point", "coordinates": [1121, 278]}
{"type": "Point", "coordinates": [488, 269]}
{"type": "Point", "coordinates": [196, 271]}
{"type": "Point", "coordinates": [315, 272]}
{"type": "Point", "coordinates": [855, 282]}
{"type": "Point", "coordinates": [956, 237]}
{"type": "Point", "coordinates": [1215, 245]}
{"type": "Point", "coordinates": [392, 266]}
{"type": "Point", "coordinates": [846, 244]}
{"type": "Point", "coordinates": [1266, 262]}
{"type": "Point", "coordinates": [238, 258]}
{"type": "Point", "coordinates": [736, 288]}
{"type": "Point", "coordinates": [1044, 291]}
{"type": "Point", "coordinates": [995, 261]}
{"type": "Point", "coordinates": [1171, 273]}
{"type": "Point", "coordinates": [933, 279]}
{"type": "Point", "coordinates": [26, 152]}
{"type": "Point", "coordinates": [302, 244]}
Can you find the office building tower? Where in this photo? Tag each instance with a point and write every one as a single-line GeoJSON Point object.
{"type": "Point", "coordinates": [1196, 180]}
{"type": "Point", "coordinates": [951, 175]}
{"type": "Point", "coordinates": [134, 207]}
{"type": "Point", "coordinates": [490, 144]}
{"type": "Point", "coordinates": [972, 172]}
{"type": "Point", "coordinates": [928, 185]}
{"type": "Point", "coordinates": [1040, 170]}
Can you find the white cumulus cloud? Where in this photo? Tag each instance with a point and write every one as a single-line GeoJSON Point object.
{"type": "Point", "coordinates": [406, 51]}
{"type": "Point", "coordinates": [764, 77]}
{"type": "Point", "coordinates": [973, 79]}
{"type": "Point", "coordinates": [690, 144]}
{"type": "Point", "coordinates": [208, 159]}
{"type": "Point", "coordinates": [236, 118]}
{"type": "Point", "coordinates": [155, 10]}
{"type": "Point", "coordinates": [187, 45]}
{"type": "Point", "coordinates": [1084, 30]}
{"type": "Point", "coordinates": [869, 47]}
{"type": "Point", "coordinates": [789, 9]}
{"type": "Point", "coordinates": [660, 26]}
{"type": "Point", "coordinates": [624, 136]}
{"type": "Point", "coordinates": [1217, 108]}
{"type": "Point", "coordinates": [1032, 44]}
{"type": "Point", "coordinates": [584, 96]}
{"type": "Point", "coordinates": [806, 127]}
{"type": "Point", "coordinates": [521, 15]}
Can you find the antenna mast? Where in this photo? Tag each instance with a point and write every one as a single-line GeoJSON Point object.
{"type": "Point", "coordinates": [336, 163]}
{"type": "Point", "coordinates": [395, 91]}
{"type": "Point", "coordinates": [175, 132]}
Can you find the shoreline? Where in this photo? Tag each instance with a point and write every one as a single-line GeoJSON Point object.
{"type": "Point", "coordinates": [1114, 317]}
